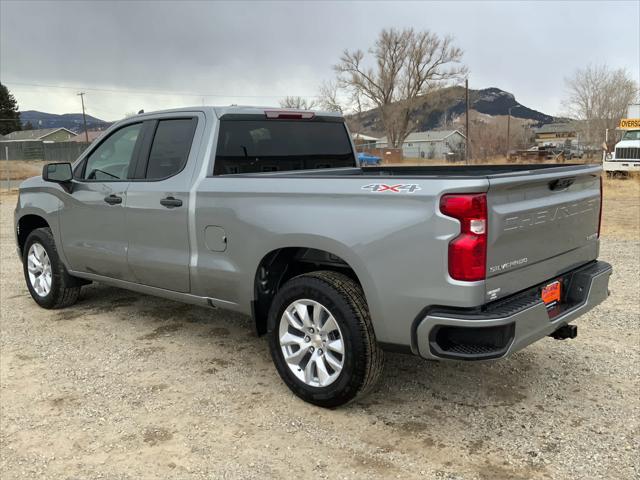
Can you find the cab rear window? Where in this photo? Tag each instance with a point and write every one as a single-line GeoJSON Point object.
{"type": "Point", "coordinates": [251, 146]}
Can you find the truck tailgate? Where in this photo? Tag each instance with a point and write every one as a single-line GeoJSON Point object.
{"type": "Point", "coordinates": [541, 224]}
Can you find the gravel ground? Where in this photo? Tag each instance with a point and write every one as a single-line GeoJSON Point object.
{"type": "Point", "coordinates": [126, 386]}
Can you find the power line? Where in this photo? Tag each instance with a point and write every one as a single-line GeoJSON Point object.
{"type": "Point", "coordinates": [152, 92]}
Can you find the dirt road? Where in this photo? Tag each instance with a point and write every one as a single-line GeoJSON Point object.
{"type": "Point", "coordinates": [125, 386]}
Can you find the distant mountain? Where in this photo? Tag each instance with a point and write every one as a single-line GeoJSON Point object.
{"type": "Point", "coordinates": [71, 121]}
{"type": "Point", "coordinates": [441, 107]}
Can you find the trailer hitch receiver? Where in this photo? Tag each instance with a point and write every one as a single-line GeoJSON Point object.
{"type": "Point", "coordinates": [565, 331]}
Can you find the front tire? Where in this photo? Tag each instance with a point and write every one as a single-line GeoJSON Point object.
{"type": "Point", "coordinates": [47, 280]}
{"type": "Point", "coordinates": [322, 341]}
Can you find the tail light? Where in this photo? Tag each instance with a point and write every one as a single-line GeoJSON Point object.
{"type": "Point", "coordinates": [600, 213]}
{"type": "Point", "coordinates": [468, 251]}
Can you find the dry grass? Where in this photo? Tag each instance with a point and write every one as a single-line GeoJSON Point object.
{"type": "Point", "coordinates": [621, 213]}
{"type": "Point", "coordinates": [20, 169]}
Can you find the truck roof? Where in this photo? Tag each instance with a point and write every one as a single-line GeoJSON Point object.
{"type": "Point", "coordinates": [219, 111]}
{"type": "Point", "coordinates": [252, 110]}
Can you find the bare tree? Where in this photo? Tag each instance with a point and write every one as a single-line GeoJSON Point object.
{"type": "Point", "coordinates": [598, 97]}
{"type": "Point", "coordinates": [329, 97]}
{"type": "Point", "coordinates": [299, 103]}
{"type": "Point", "coordinates": [406, 65]}
{"type": "Point", "coordinates": [488, 139]}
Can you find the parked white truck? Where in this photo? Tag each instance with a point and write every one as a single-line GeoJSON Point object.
{"type": "Point", "coordinates": [625, 157]}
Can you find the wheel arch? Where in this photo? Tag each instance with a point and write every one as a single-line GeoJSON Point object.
{"type": "Point", "coordinates": [281, 264]}
{"type": "Point", "coordinates": [25, 225]}
{"type": "Point", "coordinates": [39, 204]}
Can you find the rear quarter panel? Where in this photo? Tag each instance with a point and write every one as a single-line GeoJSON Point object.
{"type": "Point", "coordinates": [395, 242]}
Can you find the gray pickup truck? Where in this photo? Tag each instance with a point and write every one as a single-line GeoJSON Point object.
{"type": "Point", "coordinates": [267, 212]}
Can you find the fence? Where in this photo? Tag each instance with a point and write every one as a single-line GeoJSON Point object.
{"type": "Point", "coordinates": [38, 150]}
{"type": "Point", "coordinates": [436, 151]}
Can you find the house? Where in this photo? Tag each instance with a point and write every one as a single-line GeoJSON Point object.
{"type": "Point", "coordinates": [49, 144]}
{"type": "Point", "coordinates": [438, 145]}
{"type": "Point", "coordinates": [364, 141]}
{"type": "Point", "coordinates": [40, 135]}
{"type": "Point", "coordinates": [556, 134]}
{"type": "Point", "coordinates": [91, 134]}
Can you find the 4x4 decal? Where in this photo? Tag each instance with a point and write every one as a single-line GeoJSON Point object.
{"type": "Point", "coordinates": [401, 187]}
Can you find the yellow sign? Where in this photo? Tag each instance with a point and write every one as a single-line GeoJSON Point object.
{"type": "Point", "coordinates": [630, 123]}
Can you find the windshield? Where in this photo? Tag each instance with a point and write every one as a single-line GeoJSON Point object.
{"type": "Point", "coordinates": [249, 146]}
{"type": "Point", "coordinates": [631, 135]}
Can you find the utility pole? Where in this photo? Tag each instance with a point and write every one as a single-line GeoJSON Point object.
{"type": "Point", "coordinates": [509, 132]}
{"type": "Point", "coordinates": [466, 121]}
{"type": "Point", "coordinates": [84, 118]}
{"type": "Point", "coordinates": [6, 155]}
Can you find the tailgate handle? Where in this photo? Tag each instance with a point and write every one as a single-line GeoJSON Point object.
{"type": "Point", "coordinates": [561, 183]}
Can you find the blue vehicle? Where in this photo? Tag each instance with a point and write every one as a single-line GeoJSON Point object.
{"type": "Point", "coordinates": [367, 159]}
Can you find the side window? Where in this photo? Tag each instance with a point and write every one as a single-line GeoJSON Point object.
{"type": "Point", "coordinates": [111, 160]}
{"type": "Point", "coordinates": [170, 147]}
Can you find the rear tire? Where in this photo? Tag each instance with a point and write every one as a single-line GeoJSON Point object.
{"type": "Point", "coordinates": [47, 279]}
{"type": "Point", "coordinates": [343, 324]}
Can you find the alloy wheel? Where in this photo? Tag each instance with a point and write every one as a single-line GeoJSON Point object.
{"type": "Point", "coordinates": [312, 343]}
{"type": "Point", "coordinates": [39, 269]}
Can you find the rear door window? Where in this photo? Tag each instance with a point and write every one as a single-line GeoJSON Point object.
{"type": "Point", "coordinates": [170, 147]}
{"type": "Point", "coordinates": [249, 146]}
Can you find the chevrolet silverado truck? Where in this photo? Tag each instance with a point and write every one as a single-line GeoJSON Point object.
{"type": "Point", "coordinates": [268, 213]}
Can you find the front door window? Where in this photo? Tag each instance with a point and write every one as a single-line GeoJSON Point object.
{"type": "Point", "coordinates": [112, 159]}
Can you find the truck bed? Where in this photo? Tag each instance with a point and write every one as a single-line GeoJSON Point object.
{"type": "Point", "coordinates": [440, 171]}
{"type": "Point", "coordinates": [543, 218]}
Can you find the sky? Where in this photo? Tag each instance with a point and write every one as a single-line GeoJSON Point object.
{"type": "Point", "coordinates": [148, 55]}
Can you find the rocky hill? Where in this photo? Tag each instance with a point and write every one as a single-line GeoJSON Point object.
{"type": "Point", "coordinates": [443, 107]}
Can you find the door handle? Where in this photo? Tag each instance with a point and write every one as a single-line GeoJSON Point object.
{"type": "Point", "coordinates": [171, 202]}
{"type": "Point", "coordinates": [113, 199]}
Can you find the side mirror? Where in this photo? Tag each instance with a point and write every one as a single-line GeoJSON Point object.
{"type": "Point", "coordinates": [57, 172]}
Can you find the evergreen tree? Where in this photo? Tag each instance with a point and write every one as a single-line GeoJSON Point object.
{"type": "Point", "coordinates": [9, 114]}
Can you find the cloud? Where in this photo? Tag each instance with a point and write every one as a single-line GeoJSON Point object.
{"type": "Point", "coordinates": [153, 54]}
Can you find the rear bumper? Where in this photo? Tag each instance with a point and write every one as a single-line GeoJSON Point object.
{"type": "Point", "coordinates": [510, 324]}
